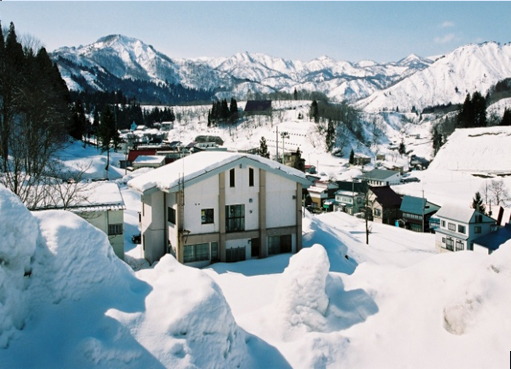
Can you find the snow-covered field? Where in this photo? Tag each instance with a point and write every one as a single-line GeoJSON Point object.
{"type": "Point", "coordinates": [67, 301]}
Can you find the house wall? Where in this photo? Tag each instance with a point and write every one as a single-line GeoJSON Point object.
{"type": "Point", "coordinates": [153, 226]}
{"type": "Point", "coordinates": [278, 209]}
{"type": "Point", "coordinates": [281, 198]}
{"type": "Point", "coordinates": [101, 220]}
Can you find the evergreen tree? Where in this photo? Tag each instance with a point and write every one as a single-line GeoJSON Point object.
{"type": "Point", "coordinates": [263, 148]}
{"type": "Point", "coordinates": [330, 136]}
{"type": "Point", "coordinates": [295, 94]}
{"type": "Point", "coordinates": [479, 109]}
{"type": "Point", "coordinates": [314, 111]}
{"type": "Point", "coordinates": [477, 203]}
{"type": "Point", "coordinates": [352, 157]}
{"type": "Point", "coordinates": [437, 140]}
{"type": "Point", "coordinates": [299, 162]}
{"type": "Point", "coordinates": [78, 122]}
{"type": "Point", "coordinates": [506, 118]}
{"type": "Point", "coordinates": [402, 148]}
{"type": "Point", "coordinates": [107, 133]}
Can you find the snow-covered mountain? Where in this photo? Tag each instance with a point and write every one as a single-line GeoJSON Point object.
{"type": "Point", "coordinates": [467, 69]}
{"type": "Point", "coordinates": [128, 58]}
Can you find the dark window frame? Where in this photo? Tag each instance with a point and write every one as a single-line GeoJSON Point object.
{"type": "Point", "coordinates": [250, 177]}
{"type": "Point", "coordinates": [232, 178]}
{"type": "Point", "coordinates": [235, 218]}
{"type": "Point", "coordinates": [171, 215]}
{"type": "Point", "coordinates": [115, 229]}
{"type": "Point", "coordinates": [207, 216]}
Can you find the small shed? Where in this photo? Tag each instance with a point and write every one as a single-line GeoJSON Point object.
{"type": "Point", "coordinates": [149, 161]}
{"type": "Point", "coordinates": [256, 107]}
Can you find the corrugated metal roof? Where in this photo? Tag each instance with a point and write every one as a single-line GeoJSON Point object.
{"type": "Point", "coordinates": [416, 205]}
{"type": "Point", "coordinates": [379, 174]}
{"type": "Point", "coordinates": [493, 240]}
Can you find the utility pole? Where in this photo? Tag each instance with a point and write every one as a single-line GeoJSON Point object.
{"type": "Point", "coordinates": [423, 205]}
{"type": "Point", "coordinates": [277, 143]}
{"type": "Point", "coordinates": [284, 135]}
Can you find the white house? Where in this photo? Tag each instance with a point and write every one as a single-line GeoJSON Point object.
{"type": "Point", "coordinates": [348, 201]}
{"type": "Point", "coordinates": [382, 177]}
{"type": "Point", "coordinates": [459, 227]}
{"type": "Point", "coordinates": [99, 203]}
{"type": "Point", "coordinates": [220, 206]}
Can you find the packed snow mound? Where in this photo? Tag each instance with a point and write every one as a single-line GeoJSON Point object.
{"type": "Point", "coordinates": [73, 258]}
{"type": "Point", "coordinates": [301, 298]}
{"type": "Point", "coordinates": [476, 149]}
{"type": "Point", "coordinates": [18, 237]}
{"type": "Point", "coordinates": [188, 322]}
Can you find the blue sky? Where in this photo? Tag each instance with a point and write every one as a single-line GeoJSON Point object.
{"type": "Point", "coordinates": [353, 31]}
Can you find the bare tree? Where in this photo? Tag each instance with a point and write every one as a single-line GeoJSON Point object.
{"type": "Point", "coordinates": [498, 192]}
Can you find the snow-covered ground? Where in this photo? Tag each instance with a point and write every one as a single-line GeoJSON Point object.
{"type": "Point", "coordinates": [67, 301]}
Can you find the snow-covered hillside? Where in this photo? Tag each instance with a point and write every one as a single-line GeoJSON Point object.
{"type": "Point", "coordinates": [467, 69]}
{"type": "Point", "coordinates": [485, 150]}
{"type": "Point", "coordinates": [126, 57]}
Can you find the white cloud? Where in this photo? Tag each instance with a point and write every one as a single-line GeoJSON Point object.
{"type": "Point", "coordinates": [444, 39]}
{"type": "Point", "coordinates": [447, 24]}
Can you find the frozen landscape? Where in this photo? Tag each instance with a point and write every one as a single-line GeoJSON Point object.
{"type": "Point", "coordinates": [358, 294]}
{"type": "Point", "coordinates": [338, 302]}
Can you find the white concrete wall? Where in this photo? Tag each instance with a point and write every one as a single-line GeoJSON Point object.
{"type": "Point", "coordinates": [280, 201]}
{"type": "Point", "coordinates": [153, 220]}
{"type": "Point", "coordinates": [202, 195]}
{"type": "Point", "coordinates": [242, 193]}
{"type": "Point", "coordinates": [101, 220]}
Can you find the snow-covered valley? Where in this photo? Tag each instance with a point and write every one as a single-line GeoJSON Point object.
{"type": "Point", "coordinates": [339, 302]}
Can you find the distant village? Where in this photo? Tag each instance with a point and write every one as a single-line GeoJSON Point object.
{"type": "Point", "coordinates": [240, 205]}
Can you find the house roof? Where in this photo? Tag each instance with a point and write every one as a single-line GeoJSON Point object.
{"type": "Point", "coordinates": [386, 196]}
{"type": "Point", "coordinates": [417, 205]}
{"type": "Point", "coordinates": [133, 154]}
{"type": "Point", "coordinates": [257, 105]}
{"type": "Point", "coordinates": [493, 240]}
{"type": "Point", "coordinates": [459, 214]}
{"type": "Point", "coordinates": [350, 186]}
{"type": "Point", "coordinates": [379, 174]}
{"type": "Point", "coordinates": [149, 159]}
{"type": "Point", "coordinates": [194, 168]}
{"type": "Point", "coordinates": [95, 196]}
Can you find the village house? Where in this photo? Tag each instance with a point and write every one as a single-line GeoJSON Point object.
{"type": "Point", "coordinates": [417, 212]}
{"type": "Point", "coordinates": [348, 201]}
{"type": "Point", "coordinates": [493, 240]}
{"type": "Point", "coordinates": [460, 226]}
{"type": "Point", "coordinates": [99, 203]}
{"type": "Point", "coordinates": [384, 204]}
{"type": "Point", "coordinates": [381, 177]}
{"type": "Point", "coordinates": [321, 191]}
{"type": "Point", "coordinates": [220, 206]}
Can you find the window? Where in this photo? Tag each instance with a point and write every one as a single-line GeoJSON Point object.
{"type": "Point", "coordinates": [451, 226]}
{"type": "Point", "coordinates": [207, 216]}
{"type": "Point", "coordinates": [199, 252]}
{"type": "Point", "coordinates": [114, 229]}
{"type": "Point", "coordinates": [251, 177]}
{"type": "Point", "coordinates": [477, 229]}
{"type": "Point", "coordinates": [443, 223]}
{"type": "Point", "coordinates": [171, 215]}
{"type": "Point", "coordinates": [214, 251]}
{"type": "Point", "coordinates": [235, 218]}
{"type": "Point", "coordinates": [279, 244]}
{"type": "Point", "coordinates": [479, 218]}
{"type": "Point", "coordinates": [232, 178]}
{"type": "Point", "coordinates": [449, 244]}
{"type": "Point", "coordinates": [377, 212]}
{"type": "Point", "coordinates": [461, 228]}
{"type": "Point", "coordinates": [459, 245]}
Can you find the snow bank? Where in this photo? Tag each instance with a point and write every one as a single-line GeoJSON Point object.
{"type": "Point", "coordinates": [301, 301]}
{"type": "Point", "coordinates": [188, 322]}
{"type": "Point", "coordinates": [18, 242]}
{"type": "Point", "coordinates": [72, 258]}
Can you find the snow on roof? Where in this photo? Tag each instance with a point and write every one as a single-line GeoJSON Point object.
{"type": "Point", "coordinates": [379, 174]}
{"type": "Point", "coordinates": [454, 212]}
{"type": "Point", "coordinates": [193, 166]}
{"type": "Point", "coordinates": [149, 159]}
{"type": "Point", "coordinates": [95, 196]}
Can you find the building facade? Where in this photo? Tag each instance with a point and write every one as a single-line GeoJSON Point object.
{"type": "Point", "coordinates": [222, 207]}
